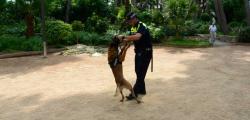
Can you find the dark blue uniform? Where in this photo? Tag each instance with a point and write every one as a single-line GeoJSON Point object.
{"type": "Point", "coordinates": [143, 55]}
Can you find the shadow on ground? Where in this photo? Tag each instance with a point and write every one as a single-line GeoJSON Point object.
{"type": "Point", "coordinates": [23, 65]}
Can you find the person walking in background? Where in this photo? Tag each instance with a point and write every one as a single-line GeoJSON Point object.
{"type": "Point", "coordinates": [212, 29]}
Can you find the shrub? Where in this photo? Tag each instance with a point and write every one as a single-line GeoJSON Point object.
{"type": "Point", "coordinates": [32, 44]}
{"type": "Point", "coordinates": [205, 17]}
{"type": "Point", "coordinates": [170, 30]}
{"type": "Point", "coordinates": [156, 32]}
{"type": "Point", "coordinates": [201, 27]}
{"type": "Point", "coordinates": [15, 43]}
{"type": "Point", "coordinates": [145, 17]}
{"type": "Point", "coordinates": [190, 28]}
{"type": "Point", "coordinates": [97, 24]}
{"type": "Point", "coordinates": [244, 35]}
{"type": "Point", "coordinates": [121, 13]}
{"type": "Point", "coordinates": [77, 25]}
{"type": "Point", "coordinates": [57, 31]}
{"type": "Point", "coordinates": [14, 29]}
{"type": "Point", "coordinates": [235, 27]}
{"type": "Point", "coordinates": [89, 38]}
{"type": "Point", "coordinates": [157, 17]}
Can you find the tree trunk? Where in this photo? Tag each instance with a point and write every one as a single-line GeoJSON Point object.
{"type": "Point", "coordinates": [29, 19]}
{"type": "Point", "coordinates": [221, 16]}
{"type": "Point", "coordinates": [247, 6]}
{"type": "Point", "coordinates": [68, 11]}
{"type": "Point", "coordinates": [127, 7]}
{"type": "Point", "coordinates": [42, 2]}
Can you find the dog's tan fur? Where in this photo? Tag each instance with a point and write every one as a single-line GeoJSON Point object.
{"type": "Point", "coordinates": [117, 70]}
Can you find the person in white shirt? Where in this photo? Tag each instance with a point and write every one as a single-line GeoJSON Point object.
{"type": "Point", "coordinates": [212, 29]}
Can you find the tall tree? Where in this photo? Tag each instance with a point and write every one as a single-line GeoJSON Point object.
{"type": "Point", "coordinates": [68, 10]}
{"type": "Point", "coordinates": [221, 16]}
{"type": "Point", "coordinates": [127, 6]}
{"type": "Point", "coordinates": [27, 8]}
{"type": "Point", "coordinates": [247, 7]}
{"type": "Point", "coordinates": [42, 2]}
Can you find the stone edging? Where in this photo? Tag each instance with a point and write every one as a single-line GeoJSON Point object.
{"type": "Point", "coordinates": [31, 53]}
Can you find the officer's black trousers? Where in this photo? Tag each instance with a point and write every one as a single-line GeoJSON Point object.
{"type": "Point", "coordinates": [142, 60]}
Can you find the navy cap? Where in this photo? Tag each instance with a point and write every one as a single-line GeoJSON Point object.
{"type": "Point", "coordinates": [130, 16]}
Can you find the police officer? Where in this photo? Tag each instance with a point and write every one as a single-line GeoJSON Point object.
{"type": "Point", "coordinates": [140, 36]}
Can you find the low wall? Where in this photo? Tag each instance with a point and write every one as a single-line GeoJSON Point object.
{"type": "Point", "coordinates": [224, 38]}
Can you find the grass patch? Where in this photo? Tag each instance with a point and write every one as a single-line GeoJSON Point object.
{"type": "Point", "coordinates": [188, 43]}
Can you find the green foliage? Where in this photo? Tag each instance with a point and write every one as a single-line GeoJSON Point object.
{"type": "Point", "coordinates": [14, 29]}
{"type": "Point", "coordinates": [151, 16]}
{"type": "Point", "coordinates": [77, 25]}
{"type": "Point", "coordinates": [14, 43]}
{"type": "Point", "coordinates": [178, 12]}
{"type": "Point", "coordinates": [190, 28]}
{"type": "Point", "coordinates": [157, 17]}
{"type": "Point", "coordinates": [57, 31]}
{"type": "Point", "coordinates": [7, 13]}
{"type": "Point", "coordinates": [83, 9]}
{"type": "Point", "coordinates": [205, 17]}
{"type": "Point", "coordinates": [234, 10]}
{"type": "Point", "coordinates": [235, 27]}
{"type": "Point", "coordinates": [170, 31]}
{"type": "Point", "coordinates": [32, 44]}
{"type": "Point", "coordinates": [89, 38]}
{"type": "Point", "coordinates": [157, 32]}
{"type": "Point", "coordinates": [145, 17]}
{"type": "Point", "coordinates": [97, 24]}
{"type": "Point", "coordinates": [195, 27]}
{"type": "Point", "coordinates": [244, 35]}
{"type": "Point", "coordinates": [121, 13]}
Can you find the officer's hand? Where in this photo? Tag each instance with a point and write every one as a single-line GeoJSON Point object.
{"type": "Point", "coordinates": [121, 37]}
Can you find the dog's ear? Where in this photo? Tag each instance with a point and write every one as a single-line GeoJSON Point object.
{"type": "Point", "coordinates": [115, 40]}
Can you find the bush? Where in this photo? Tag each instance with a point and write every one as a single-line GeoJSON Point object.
{"type": "Point", "coordinates": [121, 13]}
{"type": "Point", "coordinates": [201, 27]}
{"type": "Point", "coordinates": [235, 27]}
{"type": "Point", "coordinates": [32, 44]}
{"type": "Point", "coordinates": [244, 35]}
{"type": "Point", "coordinates": [77, 25]}
{"type": "Point", "coordinates": [156, 32]}
{"type": "Point", "coordinates": [145, 17]}
{"type": "Point", "coordinates": [190, 28]}
{"type": "Point", "coordinates": [157, 17]}
{"type": "Point", "coordinates": [57, 31]}
{"type": "Point", "coordinates": [15, 43]}
{"type": "Point", "coordinates": [97, 24]}
{"type": "Point", "coordinates": [170, 31]}
{"type": "Point", "coordinates": [89, 38]}
{"type": "Point", "coordinates": [14, 29]}
{"type": "Point", "coordinates": [205, 17]}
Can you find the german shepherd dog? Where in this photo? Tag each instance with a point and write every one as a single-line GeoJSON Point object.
{"type": "Point", "coordinates": [116, 55]}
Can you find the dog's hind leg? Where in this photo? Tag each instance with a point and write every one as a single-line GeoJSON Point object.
{"type": "Point", "coordinates": [120, 88]}
{"type": "Point", "coordinates": [116, 91]}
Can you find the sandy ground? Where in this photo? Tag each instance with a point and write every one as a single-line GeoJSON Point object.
{"type": "Point", "coordinates": [187, 84]}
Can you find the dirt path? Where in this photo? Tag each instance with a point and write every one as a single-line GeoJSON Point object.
{"type": "Point", "coordinates": [187, 84]}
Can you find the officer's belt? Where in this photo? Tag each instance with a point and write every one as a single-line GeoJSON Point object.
{"type": "Point", "coordinates": [143, 50]}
